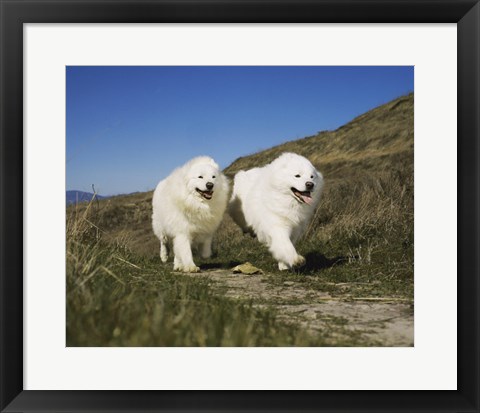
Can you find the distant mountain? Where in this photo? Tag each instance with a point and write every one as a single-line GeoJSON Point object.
{"type": "Point", "coordinates": [74, 197]}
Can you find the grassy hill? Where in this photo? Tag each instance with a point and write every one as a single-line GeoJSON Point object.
{"type": "Point", "coordinates": [372, 142]}
{"type": "Point", "coordinates": [359, 244]}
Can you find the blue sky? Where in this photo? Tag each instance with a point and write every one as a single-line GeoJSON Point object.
{"type": "Point", "coordinates": [130, 126]}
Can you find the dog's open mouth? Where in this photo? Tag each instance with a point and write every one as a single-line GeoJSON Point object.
{"type": "Point", "coordinates": [205, 194]}
{"type": "Point", "coordinates": [305, 196]}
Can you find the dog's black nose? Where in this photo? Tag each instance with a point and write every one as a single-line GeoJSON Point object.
{"type": "Point", "coordinates": [309, 185]}
{"type": "Point", "coordinates": [209, 185]}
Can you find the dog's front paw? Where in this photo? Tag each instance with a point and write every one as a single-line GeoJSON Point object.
{"type": "Point", "coordinates": [298, 261]}
{"type": "Point", "coordinates": [190, 268]}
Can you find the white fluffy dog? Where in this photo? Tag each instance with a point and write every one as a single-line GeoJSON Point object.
{"type": "Point", "coordinates": [276, 203]}
{"type": "Point", "coordinates": [188, 207]}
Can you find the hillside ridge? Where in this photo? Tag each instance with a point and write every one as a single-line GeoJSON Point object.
{"type": "Point", "coordinates": [383, 132]}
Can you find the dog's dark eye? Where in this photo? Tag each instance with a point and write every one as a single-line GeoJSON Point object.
{"type": "Point", "coordinates": [311, 177]}
{"type": "Point", "coordinates": [297, 176]}
{"type": "Point", "coordinates": [213, 176]}
{"type": "Point", "coordinates": [201, 177]}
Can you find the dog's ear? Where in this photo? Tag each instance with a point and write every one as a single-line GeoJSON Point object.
{"type": "Point", "coordinates": [208, 161]}
{"type": "Point", "coordinates": [214, 164]}
{"type": "Point", "coordinates": [283, 160]}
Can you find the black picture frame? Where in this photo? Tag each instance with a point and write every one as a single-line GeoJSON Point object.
{"type": "Point", "coordinates": [14, 13]}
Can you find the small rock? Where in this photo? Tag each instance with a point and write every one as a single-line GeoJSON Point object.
{"type": "Point", "coordinates": [247, 268]}
{"type": "Point", "coordinates": [288, 283]}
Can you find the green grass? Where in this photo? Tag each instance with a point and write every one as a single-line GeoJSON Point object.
{"type": "Point", "coordinates": [116, 298]}
{"type": "Point", "coordinates": [359, 244]}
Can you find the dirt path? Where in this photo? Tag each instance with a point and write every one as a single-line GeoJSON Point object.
{"type": "Point", "coordinates": [362, 320]}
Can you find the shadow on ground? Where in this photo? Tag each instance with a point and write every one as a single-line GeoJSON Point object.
{"type": "Point", "coordinates": [219, 265]}
{"type": "Point", "coordinates": [316, 262]}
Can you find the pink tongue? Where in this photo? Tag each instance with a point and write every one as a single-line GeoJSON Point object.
{"type": "Point", "coordinates": [307, 199]}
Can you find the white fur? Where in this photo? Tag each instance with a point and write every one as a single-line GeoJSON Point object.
{"type": "Point", "coordinates": [181, 214]}
{"type": "Point", "coordinates": [263, 203]}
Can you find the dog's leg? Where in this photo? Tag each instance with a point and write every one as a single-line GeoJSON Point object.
{"type": "Point", "coordinates": [296, 234]}
{"type": "Point", "coordinates": [282, 266]}
{"type": "Point", "coordinates": [163, 249]}
{"type": "Point", "coordinates": [183, 255]}
{"type": "Point", "coordinates": [177, 264]}
{"type": "Point", "coordinates": [206, 250]}
{"type": "Point", "coordinates": [284, 252]}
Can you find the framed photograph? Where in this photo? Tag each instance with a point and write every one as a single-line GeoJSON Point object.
{"type": "Point", "coordinates": [270, 197]}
